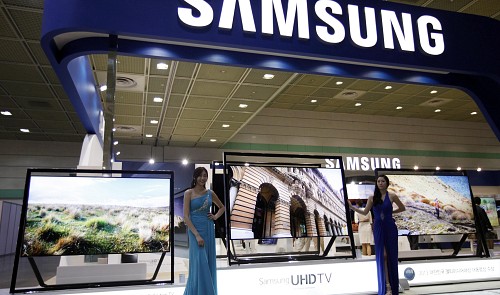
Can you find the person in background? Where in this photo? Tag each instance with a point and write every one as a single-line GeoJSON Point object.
{"type": "Point", "coordinates": [385, 234]}
{"type": "Point", "coordinates": [484, 226]}
{"type": "Point", "coordinates": [202, 279]}
{"type": "Point", "coordinates": [364, 230]}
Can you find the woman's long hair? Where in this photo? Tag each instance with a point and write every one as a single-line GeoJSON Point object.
{"type": "Point", "coordinates": [197, 172]}
{"type": "Point", "coordinates": [377, 195]}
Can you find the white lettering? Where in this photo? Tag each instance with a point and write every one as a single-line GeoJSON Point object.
{"type": "Point", "coordinates": [385, 163]}
{"type": "Point", "coordinates": [352, 163]}
{"type": "Point", "coordinates": [338, 34]}
{"type": "Point", "coordinates": [228, 11]}
{"type": "Point", "coordinates": [206, 14]}
{"type": "Point", "coordinates": [365, 164]}
{"type": "Point", "coordinates": [329, 163]}
{"type": "Point", "coordinates": [404, 36]}
{"type": "Point", "coordinates": [355, 26]}
{"type": "Point", "coordinates": [374, 163]}
{"type": "Point", "coordinates": [285, 25]}
{"type": "Point", "coordinates": [425, 37]}
{"type": "Point", "coordinates": [396, 164]}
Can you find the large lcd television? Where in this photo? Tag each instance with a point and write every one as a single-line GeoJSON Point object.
{"type": "Point", "coordinates": [93, 212]}
{"type": "Point", "coordinates": [278, 201]}
{"type": "Point", "coordinates": [437, 202]}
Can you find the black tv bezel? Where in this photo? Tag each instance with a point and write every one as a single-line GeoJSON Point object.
{"type": "Point", "coordinates": [74, 173]}
{"type": "Point", "coordinates": [271, 161]}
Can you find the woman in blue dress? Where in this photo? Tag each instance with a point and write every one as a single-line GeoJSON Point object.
{"type": "Point", "coordinates": [385, 234]}
{"type": "Point", "coordinates": [202, 279]}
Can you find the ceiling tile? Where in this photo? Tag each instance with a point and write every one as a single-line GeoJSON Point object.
{"type": "Point", "coordinates": [157, 84]}
{"type": "Point", "coordinates": [188, 131]}
{"type": "Point", "coordinates": [19, 72]}
{"type": "Point", "coordinates": [25, 3]}
{"type": "Point", "coordinates": [5, 29]}
{"type": "Point", "coordinates": [172, 113]}
{"type": "Point", "coordinates": [255, 77]}
{"type": "Point", "coordinates": [153, 112]}
{"type": "Point", "coordinates": [13, 51]}
{"type": "Point", "coordinates": [256, 93]}
{"type": "Point", "coordinates": [51, 75]}
{"type": "Point", "coordinates": [28, 22]}
{"type": "Point", "coordinates": [288, 98]}
{"type": "Point", "coordinates": [234, 105]}
{"type": "Point", "coordinates": [326, 92]}
{"type": "Point", "coordinates": [208, 103]}
{"type": "Point", "coordinates": [211, 88]}
{"type": "Point", "coordinates": [153, 70]}
{"type": "Point", "coordinates": [128, 110]}
{"type": "Point", "coordinates": [220, 73]}
{"type": "Point", "coordinates": [280, 105]}
{"type": "Point", "coordinates": [125, 97]}
{"type": "Point", "coordinates": [7, 102]}
{"type": "Point", "coordinates": [130, 64]}
{"type": "Point", "coordinates": [198, 114]}
{"type": "Point", "coordinates": [26, 89]}
{"type": "Point", "coordinates": [233, 117]}
{"type": "Point", "coordinates": [201, 124]}
{"type": "Point", "coordinates": [47, 115]}
{"type": "Point", "coordinates": [364, 85]}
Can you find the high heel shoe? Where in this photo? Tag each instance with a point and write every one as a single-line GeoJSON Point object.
{"type": "Point", "coordinates": [388, 290]}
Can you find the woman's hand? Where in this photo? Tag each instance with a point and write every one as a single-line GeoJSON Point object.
{"type": "Point", "coordinates": [200, 241]}
{"type": "Point", "coordinates": [350, 205]}
{"type": "Point", "coordinates": [212, 216]}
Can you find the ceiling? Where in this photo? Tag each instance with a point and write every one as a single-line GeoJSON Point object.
{"type": "Point", "coordinates": [203, 105]}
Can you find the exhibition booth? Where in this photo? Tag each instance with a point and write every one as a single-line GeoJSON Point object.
{"type": "Point", "coordinates": [287, 225]}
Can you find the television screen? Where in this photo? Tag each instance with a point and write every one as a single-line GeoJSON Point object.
{"type": "Point", "coordinates": [270, 202]}
{"type": "Point", "coordinates": [359, 191]}
{"type": "Point", "coordinates": [489, 205]}
{"type": "Point", "coordinates": [435, 204]}
{"type": "Point", "coordinates": [96, 213]}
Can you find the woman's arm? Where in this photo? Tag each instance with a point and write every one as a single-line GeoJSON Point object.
{"type": "Point", "coordinates": [219, 204]}
{"type": "Point", "coordinates": [365, 210]}
{"type": "Point", "coordinates": [401, 206]}
{"type": "Point", "coordinates": [187, 218]}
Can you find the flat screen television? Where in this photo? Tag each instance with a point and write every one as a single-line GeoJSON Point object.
{"type": "Point", "coordinates": [437, 203]}
{"type": "Point", "coordinates": [271, 201]}
{"type": "Point", "coordinates": [91, 212]}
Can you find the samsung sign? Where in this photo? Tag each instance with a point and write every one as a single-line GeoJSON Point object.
{"type": "Point", "coordinates": [364, 163]}
{"type": "Point", "coordinates": [361, 26]}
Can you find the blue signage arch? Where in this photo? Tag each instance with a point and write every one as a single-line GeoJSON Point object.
{"type": "Point", "coordinates": [352, 38]}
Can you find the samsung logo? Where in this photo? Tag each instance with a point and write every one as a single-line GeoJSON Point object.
{"type": "Point", "coordinates": [397, 28]}
{"type": "Point", "coordinates": [364, 163]}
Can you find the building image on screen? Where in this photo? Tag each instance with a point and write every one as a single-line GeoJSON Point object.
{"type": "Point", "coordinates": [435, 204]}
{"type": "Point", "coordinates": [96, 215]}
{"type": "Point", "coordinates": [286, 202]}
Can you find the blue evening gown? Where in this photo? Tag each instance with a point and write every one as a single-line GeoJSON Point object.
{"type": "Point", "coordinates": [385, 234]}
{"type": "Point", "coordinates": [202, 279]}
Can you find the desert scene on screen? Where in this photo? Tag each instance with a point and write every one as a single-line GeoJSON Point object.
{"type": "Point", "coordinates": [434, 204]}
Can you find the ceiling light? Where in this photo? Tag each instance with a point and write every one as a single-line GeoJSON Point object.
{"type": "Point", "coordinates": [388, 87]}
{"type": "Point", "coordinates": [151, 161]}
{"type": "Point", "coordinates": [115, 142]}
{"type": "Point", "coordinates": [437, 111]}
{"type": "Point", "coordinates": [358, 104]}
{"type": "Point", "coordinates": [246, 164]}
{"type": "Point", "coordinates": [434, 92]}
{"type": "Point", "coordinates": [153, 121]}
{"type": "Point", "coordinates": [473, 113]}
{"type": "Point", "coordinates": [399, 107]}
{"type": "Point", "coordinates": [459, 168]}
{"type": "Point", "coordinates": [118, 153]}
{"type": "Point", "coordinates": [114, 129]}
{"type": "Point", "coordinates": [24, 130]}
{"type": "Point", "coordinates": [478, 169]}
{"type": "Point", "coordinates": [243, 105]}
{"type": "Point", "coordinates": [6, 113]}
{"type": "Point", "coordinates": [162, 66]}
{"type": "Point", "coordinates": [268, 76]}
{"type": "Point", "coordinates": [314, 100]}
{"type": "Point", "coordinates": [438, 168]}
{"type": "Point", "coordinates": [103, 88]}
{"type": "Point", "coordinates": [113, 119]}
{"type": "Point", "coordinates": [339, 82]}
{"type": "Point", "coordinates": [158, 99]}
{"type": "Point", "coordinates": [213, 140]}
{"type": "Point", "coordinates": [149, 135]}
{"type": "Point", "coordinates": [185, 162]}
{"type": "Point", "coordinates": [415, 167]}
{"type": "Point", "coordinates": [225, 125]}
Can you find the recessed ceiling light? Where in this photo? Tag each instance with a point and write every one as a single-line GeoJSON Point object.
{"type": "Point", "coordinates": [459, 168]}
{"type": "Point", "coordinates": [243, 105]}
{"type": "Point", "coordinates": [314, 100]}
{"type": "Point", "coordinates": [118, 153]}
{"type": "Point", "coordinates": [158, 99]}
{"type": "Point", "coordinates": [473, 113]}
{"type": "Point", "coordinates": [223, 71]}
{"type": "Point", "coordinates": [151, 161]}
{"type": "Point", "coordinates": [149, 135]}
{"type": "Point", "coordinates": [268, 76]}
{"type": "Point", "coordinates": [162, 66]}
{"type": "Point", "coordinates": [246, 164]}
{"type": "Point", "coordinates": [438, 168]}
{"type": "Point", "coordinates": [339, 82]}
{"type": "Point", "coordinates": [415, 167]}
{"type": "Point", "coordinates": [185, 162]}
{"type": "Point", "coordinates": [358, 104]}
{"type": "Point", "coordinates": [213, 140]}
{"type": "Point", "coordinates": [399, 107]}
{"type": "Point", "coordinates": [6, 113]}
{"type": "Point", "coordinates": [115, 142]}
{"type": "Point", "coordinates": [24, 130]}
{"type": "Point", "coordinates": [225, 125]}
{"type": "Point", "coordinates": [434, 92]}
{"type": "Point", "coordinates": [478, 169]}
{"type": "Point", "coordinates": [153, 121]}
{"type": "Point", "coordinates": [437, 110]}
{"type": "Point", "coordinates": [103, 88]}
{"type": "Point", "coordinates": [388, 87]}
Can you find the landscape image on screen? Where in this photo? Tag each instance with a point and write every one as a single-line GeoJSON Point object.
{"type": "Point", "coordinates": [266, 203]}
{"type": "Point", "coordinates": [96, 215]}
{"type": "Point", "coordinates": [434, 204]}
